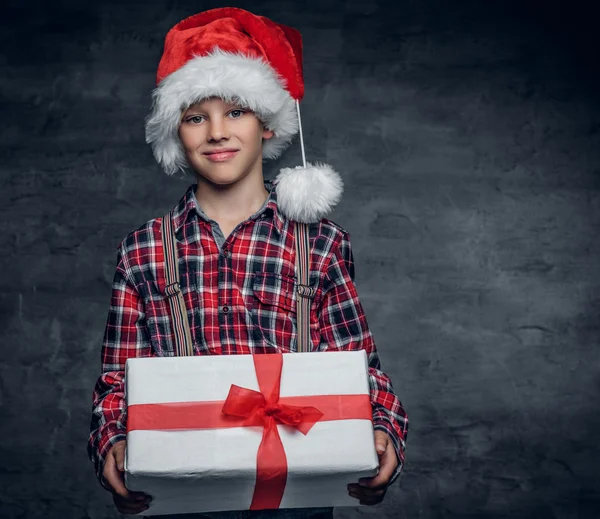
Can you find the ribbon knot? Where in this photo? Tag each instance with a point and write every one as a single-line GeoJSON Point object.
{"type": "Point", "coordinates": [270, 409]}
{"type": "Point", "coordinates": [249, 404]}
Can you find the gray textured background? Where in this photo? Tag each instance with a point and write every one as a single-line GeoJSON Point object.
{"type": "Point", "coordinates": [468, 134]}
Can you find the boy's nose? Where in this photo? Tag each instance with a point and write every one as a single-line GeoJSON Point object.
{"type": "Point", "coordinates": [218, 129]}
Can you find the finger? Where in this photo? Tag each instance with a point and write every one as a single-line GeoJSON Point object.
{"type": "Point", "coordinates": [381, 442]}
{"type": "Point", "coordinates": [132, 510]}
{"type": "Point", "coordinates": [132, 507]}
{"type": "Point", "coordinates": [371, 502]}
{"type": "Point", "coordinates": [115, 477]}
{"type": "Point", "coordinates": [367, 499]}
{"type": "Point", "coordinates": [387, 465]}
{"type": "Point", "coordinates": [129, 507]}
{"type": "Point", "coordinates": [134, 500]}
{"type": "Point", "coordinates": [364, 492]}
{"type": "Point", "coordinates": [119, 453]}
{"type": "Point", "coordinates": [367, 495]}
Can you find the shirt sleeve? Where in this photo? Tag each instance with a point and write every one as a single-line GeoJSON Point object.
{"type": "Point", "coordinates": [344, 327]}
{"type": "Point", "coordinates": [125, 336]}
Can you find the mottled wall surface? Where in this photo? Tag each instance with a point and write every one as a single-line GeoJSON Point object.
{"type": "Point", "coordinates": [468, 135]}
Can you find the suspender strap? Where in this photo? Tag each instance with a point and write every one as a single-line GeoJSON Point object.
{"type": "Point", "coordinates": [305, 292]}
{"type": "Point", "coordinates": [180, 323]}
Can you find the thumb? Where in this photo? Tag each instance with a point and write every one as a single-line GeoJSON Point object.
{"type": "Point", "coordinates": [381, 442]}
{"type": "Point", "coordinates": [120, 456]}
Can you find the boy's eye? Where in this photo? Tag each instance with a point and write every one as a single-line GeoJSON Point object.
{"type": "Point", "coordinates": [198, 118]}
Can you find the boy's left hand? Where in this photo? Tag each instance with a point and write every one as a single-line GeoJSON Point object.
{"type": "Point", "coordinates": [371, 491]}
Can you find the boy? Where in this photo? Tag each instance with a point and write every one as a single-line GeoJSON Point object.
{"type": "Point", "coordinates": [228, 82]}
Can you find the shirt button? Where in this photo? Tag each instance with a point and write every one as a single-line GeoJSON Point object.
{"type": "Point", "coordinates": [226, 252]}
{"type": "Point", "coordinates": [225, 309]}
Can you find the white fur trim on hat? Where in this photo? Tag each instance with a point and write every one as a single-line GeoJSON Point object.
{"type": "Point", "coordinates": [308, 194]}
{"type": "Point", "coordinates": [252, 82]}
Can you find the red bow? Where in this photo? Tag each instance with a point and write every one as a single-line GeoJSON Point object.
{"type": "Point", "coordinates": [247, 403]}
{"type": "Point", "coordinates": [271, 467]}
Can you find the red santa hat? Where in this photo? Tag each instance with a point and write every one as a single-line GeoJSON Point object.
{"type": "Point", "coordinates": [250, 60]}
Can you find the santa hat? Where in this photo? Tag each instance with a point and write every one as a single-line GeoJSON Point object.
{"type": "Point", "coordinates": [247, 59]}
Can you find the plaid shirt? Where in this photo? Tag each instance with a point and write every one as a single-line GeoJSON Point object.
{"type": "Point", "coordinates": [240, 300]}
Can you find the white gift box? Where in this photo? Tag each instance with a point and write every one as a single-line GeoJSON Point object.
{"type": "Point", "coordinates": [210, 470]}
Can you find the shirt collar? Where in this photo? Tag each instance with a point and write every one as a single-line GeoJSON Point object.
{"type": "Point", "coordinates": [188, 207]}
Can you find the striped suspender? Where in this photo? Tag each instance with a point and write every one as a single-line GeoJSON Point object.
{"type": "Point", "coordinates": [181, 325]}
{"type": "Point", "coordinates": [305, 292]}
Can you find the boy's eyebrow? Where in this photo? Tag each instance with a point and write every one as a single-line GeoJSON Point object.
{"type": "Point", "coordinates": [227, 105]}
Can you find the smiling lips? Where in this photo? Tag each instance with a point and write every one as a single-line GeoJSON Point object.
{"type": "Point", "coordinates": [221, 155]}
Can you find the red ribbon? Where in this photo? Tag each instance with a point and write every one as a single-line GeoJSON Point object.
{"type": "Point", "coordinates": [246, 407]}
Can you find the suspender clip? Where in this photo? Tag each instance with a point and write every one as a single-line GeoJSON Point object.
{"type": "Point", "coordinates": [306, 291]}
{"type": "Point", "coordinates": [172, 290]}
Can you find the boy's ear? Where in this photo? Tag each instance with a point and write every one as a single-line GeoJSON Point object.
{"type": "Point", "coordinates": [267, 134]}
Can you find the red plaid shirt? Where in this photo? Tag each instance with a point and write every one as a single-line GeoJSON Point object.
{"type": "Point", "coordinates": [240, 300]}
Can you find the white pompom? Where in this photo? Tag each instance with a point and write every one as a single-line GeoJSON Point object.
{"type": "Point", "coordinates": [308, 194]}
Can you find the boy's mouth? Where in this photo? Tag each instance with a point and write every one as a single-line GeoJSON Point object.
{"type": "Point", "coordinates": [219, 150]}
{"type": "Point", "coordinates": [221, 155]}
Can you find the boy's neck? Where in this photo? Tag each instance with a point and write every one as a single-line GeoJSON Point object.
{"type": "Point", "coordinates": [233, 203]}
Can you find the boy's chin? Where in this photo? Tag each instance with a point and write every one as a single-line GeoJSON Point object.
{"type": "Point", "coordinates": [223, 180]}
{"type": "Point", "coordinates": [223, 176]}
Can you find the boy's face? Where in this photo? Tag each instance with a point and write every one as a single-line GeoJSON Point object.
{"type": "Point", "coordinates": [214, 124]}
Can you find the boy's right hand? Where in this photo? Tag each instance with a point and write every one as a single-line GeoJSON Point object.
{"type": "Point", "coordinates": [126, 501]}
